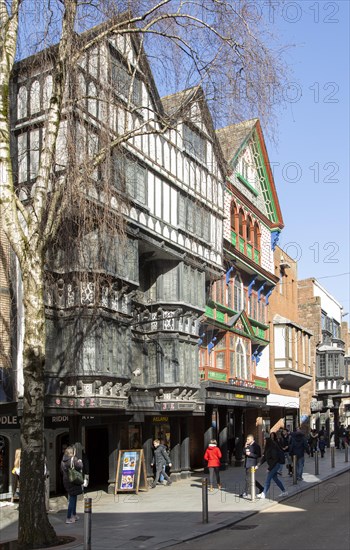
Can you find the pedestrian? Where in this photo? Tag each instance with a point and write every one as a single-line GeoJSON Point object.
{"type": "Point", "coordinates": [213, 456]}
{"type": "Point", "coordinates": [322, 442]}
{"type": "Point", "coordinates": [160, 459]}
{"type": "Point", "coordinates": [271, 456]}
{"type": "Point", "coordinates": [323, 433]}
{"type": "Point", "coordinates": [80, 453]}
{"type": "Point", "coordinates": [285, 441]}
{"type": "Point", "coordinates": [16, 472]}
{"type": "Point", "coordinates": [276, 437]}
{"type": "Point", "coordinates": [252, 452]}
{"type": "Point", "coordinates": [298, 447]}
{"type": "Point", "coordinates": [70, 460]}
{"type": "Point", "coordinates": [313, 441]}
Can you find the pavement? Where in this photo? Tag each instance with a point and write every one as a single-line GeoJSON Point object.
{"type": "Point", "coordinates": [168, 515]}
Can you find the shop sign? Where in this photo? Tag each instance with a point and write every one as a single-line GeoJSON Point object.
{"type": "Point", "coordinates": [164, 419]}
{"type": "Point", "coordinates": [217, 376]}
{"type": "Point", "coordinates": [239, 396]}
{"type": "Point", "coordinates": [8, 421]}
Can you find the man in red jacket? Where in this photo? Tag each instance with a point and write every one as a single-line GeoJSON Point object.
{"type": "Point", "coordinates": [213, 455]}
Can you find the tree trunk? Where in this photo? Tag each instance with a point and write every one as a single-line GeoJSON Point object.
{"type": "Point", "coordinates": [34, 529]}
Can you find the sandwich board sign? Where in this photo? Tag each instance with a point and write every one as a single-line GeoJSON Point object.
{"type": "Point", "coordinates": [131, 472]}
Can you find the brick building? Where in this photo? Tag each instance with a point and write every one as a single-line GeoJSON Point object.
{"type": "Point", "coordinates": [323, 314]}
{"type": "Point", "coordinates": [288, 357]}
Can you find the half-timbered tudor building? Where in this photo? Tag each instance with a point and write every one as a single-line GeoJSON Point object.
{"type": "Point", "coordinates": [124, 307]}
{"type": "Point", "coordinates": [235, 323]}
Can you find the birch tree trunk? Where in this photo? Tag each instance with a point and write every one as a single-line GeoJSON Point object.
{"type": "Point", "coordinates": [35, 530]}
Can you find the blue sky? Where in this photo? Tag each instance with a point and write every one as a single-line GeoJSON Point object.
{"type": "Point", "coordinates": [312, 154]}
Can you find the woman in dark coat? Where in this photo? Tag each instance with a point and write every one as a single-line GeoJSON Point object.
{"type": "Point", "coordinates": [271, 456]}
{"type": "Point", "coordinates": [69, 459]}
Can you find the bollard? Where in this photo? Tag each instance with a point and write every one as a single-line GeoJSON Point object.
{"type": "Point", "coordinates": [316, 464]}
{"type": "Point", "coordinates": [252, 484]}
{"type": "Point", "coordinates": [346, 452]}
{"type": "Point", "coordinates": [205, 500]}
{"type": "Point", "coordinates": [295, 481]}
{"type": "Point", "coordinates": [333, 456]}
{"type": "Point", "coordinates": [87, 523]}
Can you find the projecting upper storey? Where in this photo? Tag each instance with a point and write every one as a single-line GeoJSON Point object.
{"type": "Point", "coordinates": [253, 216]}
{"type": "Point", "coordinates": [169, 169]}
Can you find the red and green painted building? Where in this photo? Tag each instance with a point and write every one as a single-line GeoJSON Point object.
{"type": "Point", "coordinates": [234, 329]}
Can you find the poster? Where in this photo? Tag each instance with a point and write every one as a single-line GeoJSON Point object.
{"type": "Point", "coordinates": [131, 471]}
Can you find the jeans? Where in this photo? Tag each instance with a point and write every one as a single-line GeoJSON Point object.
{"type": "Point", "coordinates": [161, 477]}
{"type": "Point", "coordinates": [72, 506]}
{"type": "Point", "coordinates": [159, 472]}
{"type": "Point", "coordinates": [213, 470]}
{"type": "Point", "coordinates": [272, 475]}
{"type": "Point", "coordinates": [300, 467]}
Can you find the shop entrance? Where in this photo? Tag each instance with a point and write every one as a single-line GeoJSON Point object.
{"type": "Point", "coordinates": [97, 452]}
{"type": "Point", "coordinates": [161, 431]}
{"type": "Point", "coordinates": [4, 465]}
{"type": "Point", "coordinates": [62, 442]}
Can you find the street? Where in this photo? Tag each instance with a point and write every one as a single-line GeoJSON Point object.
{"type": "Point", "coordinates": [319, 521]}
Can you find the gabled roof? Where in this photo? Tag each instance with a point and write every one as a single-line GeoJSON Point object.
{"type": "Point", "coordinates": [233, 140]}
{"type": "Point", "coordinates": [178, 106]}
{"type": "Point", "coordinates": [241, 316]}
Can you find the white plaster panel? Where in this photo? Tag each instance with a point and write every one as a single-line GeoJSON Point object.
{"type": "Point", "coordinates": [158, 197]}
{"type": "Point", "coordinates": [328, 303]}
{"type": "Point", "coordinates": [173, 207]}
{"type": "Point", "coordinates": [166, 202]}
{"type": "Point", "coordinates": [150, 192]}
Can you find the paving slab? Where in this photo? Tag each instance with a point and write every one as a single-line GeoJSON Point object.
{"type": "Point", "coordinates": [167, 515]}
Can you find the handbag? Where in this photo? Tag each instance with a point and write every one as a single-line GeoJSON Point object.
{"type": "Point", "coordinates": [75, 476]}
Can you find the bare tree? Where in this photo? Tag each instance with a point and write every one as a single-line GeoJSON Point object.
{"type": "Point", "coordinates": [212, 47]}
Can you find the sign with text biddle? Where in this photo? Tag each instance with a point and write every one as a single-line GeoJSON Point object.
{"type": "Point", "coordinates": [131, 471]}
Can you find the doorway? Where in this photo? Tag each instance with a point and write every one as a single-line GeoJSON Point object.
{"type": "Point", "coordinates": [96, 447]}
{"type": "Point", "coordinates": [62, 442]}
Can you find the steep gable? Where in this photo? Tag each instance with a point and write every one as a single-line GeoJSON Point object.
{"type": "Point", "coordinates": [244, 149]}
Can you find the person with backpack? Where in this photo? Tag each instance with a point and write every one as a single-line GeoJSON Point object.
{"type": "Point", "coordinates": [252, 452]}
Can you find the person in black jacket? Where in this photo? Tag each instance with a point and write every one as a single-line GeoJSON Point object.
{"type": "Point", "coordinates": [298, 446]}
{"type": "Point", "coordinates": [69, 460]}
{"type": "Point", "coordinates": [252, 453]}
{"type": "Point", "coordinates": [161, 458]}
{"type": "Point", "coordinates": [271, 456]}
